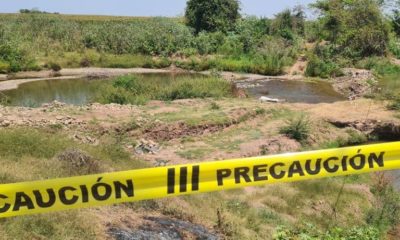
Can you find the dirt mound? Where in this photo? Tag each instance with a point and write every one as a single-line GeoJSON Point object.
{"type": "Point", "coordinates": [382, 130]}
{"type": "Point", "coordinates": [78, 161]}
{"type": "Point", "coordinates": [355, 83]}
{"type": "Point", "coordinates": [161, 228]}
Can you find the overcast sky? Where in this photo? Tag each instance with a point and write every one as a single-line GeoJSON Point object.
{"type": "Point", "coordinates": [265, 8]}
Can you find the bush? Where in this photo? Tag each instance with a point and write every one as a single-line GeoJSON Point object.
{"type": "Point", "coordinates": [394, 47]}
{"type": "Point", "coordinates": [55, 67]}
{"type": "Point", "coordinates": [395, 105]}
{"type": "Point", "coordinates": [297, 128]}
{"type": "Point", "coordinates": [4, 67]}
{"type": "Point", "coordinates": [318, 67]}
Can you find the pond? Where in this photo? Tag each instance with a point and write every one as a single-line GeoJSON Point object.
{"type": "Point", "coordinates": [82, 91]}
{"type": "Point", "coordinates": [70, 91]}
{"type": "Point", "coordinates": [296, 91]}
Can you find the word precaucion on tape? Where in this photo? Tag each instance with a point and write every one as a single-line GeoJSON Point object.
{"type": "Point", "coordinates": [110, 188]}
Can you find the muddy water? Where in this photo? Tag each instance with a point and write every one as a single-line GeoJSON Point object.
{"type": "Point", "coordinates": [82, 91]}
{"type": "Point", "coordinates": [294, 91]}
{"type": "Point", "coordinates": [72, 91]}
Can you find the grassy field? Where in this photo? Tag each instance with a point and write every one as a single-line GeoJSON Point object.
{"type": "Point", "coordinates": [37, 41]}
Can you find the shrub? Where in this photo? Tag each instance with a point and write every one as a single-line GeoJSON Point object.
{"type": "Point", "coordinates": [214, 106]}
{"type": "Point", "coordinates": [4, 67]}
{"type": "Point", "coordinates": [297, 128]}
{"type": "Point", "coordinates": [395, 105]}
{"type": "Point", "coordinates": [55, 67]}
{"type": "Point", "coordinates": [318, 67]}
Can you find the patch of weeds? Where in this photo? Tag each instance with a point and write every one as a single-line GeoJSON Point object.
{"type": "Point", "coordinates": [277, 113]}
{"type": "Point", "coordinates": [260, 111]}
{"type": "Point", "coordinates": [177, 212]}
{"type": "Point", "coordinates": [133, 90]}
{"type": "Point", "coordinates": [194, 154]}
{"type": "Point", "coordinates": [254, 134]}
{"type": "Point", "coordinates": [395, 105]}
{"type": "Point", "coordinates": [386, 214]}
{"type": "Point", "coordinates": [56, 126]}
{"type": "Point", "coordinates": [297, 128]}
{"type": "Point", "coordinates": [268, 216]}
{"type": "Point", "coordinates": [187, 139]}
{"type": "Point", "coordinates": [310, 231]}
{"type": "Point", "coordinates": [132, 125]}
{"type": "Point", "coordinates": [397, 115]}
{"type": "Point", "coordinates": [115, 152]}
{"type": "Point", "coordinates": [62, 225]}
{"type": "Point", "coordinates": [20, 142]}
{"type": "Point", "coordinates": [7, 178]}
{"type": "Point", "coordinates": [228, 145]}
{"type": "Point", "coordinates": [237, 206]}
{"type": "Point", "coordinates": [354, 138]}
{"type": "Point", "coordinates": [226, 226]}
{"type": "Point", "coordinates": [214, 106]}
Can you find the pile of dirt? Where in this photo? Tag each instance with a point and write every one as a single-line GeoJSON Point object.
{"type": "Point", "coordinates": [355, 83]}
{"type": "Point", "coordinates": [388, 131]}
{"type": "Point", "coordinates": [161, 228]}
{"type": "Point", "coordinates": [78, 161]}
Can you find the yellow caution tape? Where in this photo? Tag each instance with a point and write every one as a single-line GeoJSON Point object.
{"type": "Point", "coordinates": [110, 188]}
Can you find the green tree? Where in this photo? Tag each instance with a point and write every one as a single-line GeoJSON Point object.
{"type": "Point", "coordinates": [289, 22]}
{"type": "Point", "coordinates": [356, 27]}
{"type": "Point", "coordinates": [212, 15]}
{"type": "Point", "coordinates": [396, 22]}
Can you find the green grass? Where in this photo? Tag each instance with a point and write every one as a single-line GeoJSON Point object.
{"type": "Point", "coordinates": [75, 225]}
{"type": "Point", "coordinates": [194, 154]}
{"type": "Point", "coordinates": [297, 128]}
{"type": "Point", "coordinates": [134, 90]}
{"type": "Point", "coordinates": [39, 148]}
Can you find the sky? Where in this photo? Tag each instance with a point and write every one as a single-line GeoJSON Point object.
{"type": "Point", "coordinates": [171, 8]}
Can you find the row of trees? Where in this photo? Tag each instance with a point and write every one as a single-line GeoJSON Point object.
{"type": "Point", "coordinates": [356, 28]}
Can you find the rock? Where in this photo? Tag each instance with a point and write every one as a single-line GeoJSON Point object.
{"type": "Point", "coordinates": [5, 123]}
{"type": "Point", "coordinates": [267, 99]}
{"type": "Point", "coordinates": [145, 147]}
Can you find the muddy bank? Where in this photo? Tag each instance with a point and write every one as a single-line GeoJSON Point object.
{"type": "Point", "coordinates": [384, 131]}
{"type": "Point", "coordinates": [355, 83]}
